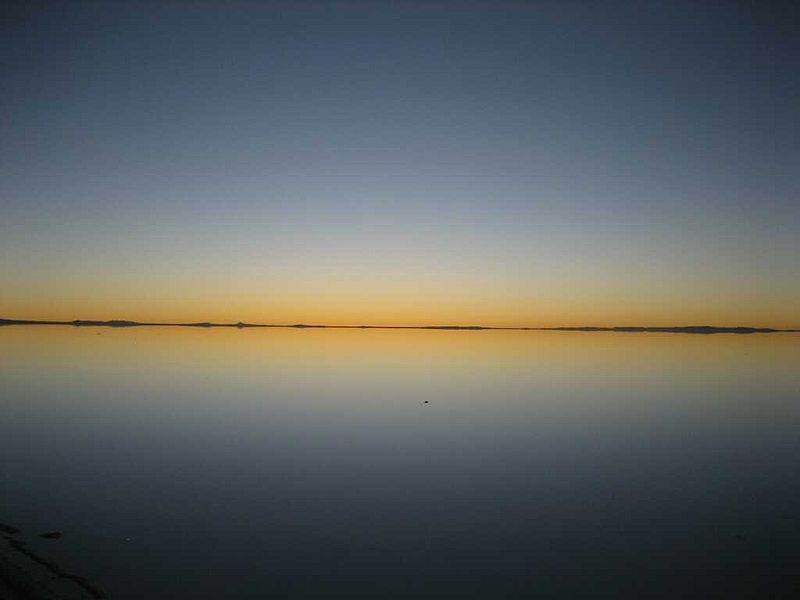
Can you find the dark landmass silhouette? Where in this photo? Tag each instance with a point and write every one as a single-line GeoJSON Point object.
{"type": "Point", "coordinates": [696, 329]}
{"type": "Point", "coordinates": [33, 577]}
{"type": "Point", "coordinates": [702, 329]}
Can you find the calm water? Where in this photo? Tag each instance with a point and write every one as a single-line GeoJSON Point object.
{"type": "Point", "coordinates": [307, 464]}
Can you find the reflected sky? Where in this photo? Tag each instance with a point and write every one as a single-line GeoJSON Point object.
{"type": "Point", "coordinates": [285, 463]}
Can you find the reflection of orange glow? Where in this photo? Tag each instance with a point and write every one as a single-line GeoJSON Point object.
{"type": "Point", "coordinates": [282, 374]}
{"type": "Point", "coordinates": [234, 353]}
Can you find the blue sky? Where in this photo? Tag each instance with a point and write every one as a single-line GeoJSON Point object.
{"type": "Point", "coordinates": [395, 162]}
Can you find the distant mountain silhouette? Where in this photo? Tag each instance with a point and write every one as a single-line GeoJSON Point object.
{"type": "Point", "coordinates": [703, 329]}
{"type": "Point", "coordinates": [695, 329]}
{"type": "Point", "coordinates": [114, 323]}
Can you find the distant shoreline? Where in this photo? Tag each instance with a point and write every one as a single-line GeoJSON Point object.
{"type": "Point", "coordinates": [118, 323]}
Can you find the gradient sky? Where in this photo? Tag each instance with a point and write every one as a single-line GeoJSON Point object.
{"type": "Point", "coordinates": [559, 163]}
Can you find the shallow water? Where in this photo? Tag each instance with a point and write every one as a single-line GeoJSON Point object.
{"type": "Point", "coordinates": [277, 463]}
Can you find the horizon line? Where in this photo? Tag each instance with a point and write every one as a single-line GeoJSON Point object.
{"type": "Point", "coordinates": [122, 323]}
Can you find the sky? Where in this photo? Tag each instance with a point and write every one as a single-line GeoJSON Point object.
{"type": "Point", "coordinates": [530, 163]}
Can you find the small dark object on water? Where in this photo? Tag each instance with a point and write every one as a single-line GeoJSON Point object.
{"type": "Point", "coordinates": [426, 402]}
{"type": "Point", "coordinates": [51, 535]}
{"type": "Point", "coordinates": [8, 529]}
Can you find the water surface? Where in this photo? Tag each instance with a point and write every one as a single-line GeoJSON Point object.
{"type": "Point", "coordinates": [279, 463]}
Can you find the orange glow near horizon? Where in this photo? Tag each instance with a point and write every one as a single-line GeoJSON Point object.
{"type": "Point", "coordinates": [408, 311]}
{"type": "Point", "coordinates": [382, 292]}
